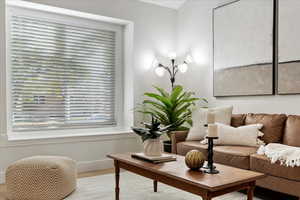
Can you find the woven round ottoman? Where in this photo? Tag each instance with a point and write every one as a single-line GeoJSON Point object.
{"type": "Point", "coordinates": [41, 178]}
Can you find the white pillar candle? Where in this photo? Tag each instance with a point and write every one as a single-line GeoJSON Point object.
{"type": "Point", "coordinates": [210, 118]}
{"type": "Point", "coordinates": [212, 130]}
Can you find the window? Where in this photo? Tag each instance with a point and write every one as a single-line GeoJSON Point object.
{"type": "Point", "coordinates": [63, 74]}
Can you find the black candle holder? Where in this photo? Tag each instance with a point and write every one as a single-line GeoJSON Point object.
{"type": "Point", "coordinates": [207, 166]}
{"type": "Point", "coordinates": [210, 168]}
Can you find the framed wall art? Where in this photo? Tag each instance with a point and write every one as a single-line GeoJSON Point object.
{"type": "Point", "coordinates": [289, 47]}
{"type": "Point", "coordinates": [243, 52]}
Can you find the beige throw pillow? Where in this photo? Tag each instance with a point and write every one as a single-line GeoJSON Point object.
{"type": "Point", "coordinates": [241, 136]}
{"type": "Point", "coordinates": [198, 131]}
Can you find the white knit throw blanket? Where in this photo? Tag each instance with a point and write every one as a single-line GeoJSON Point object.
{"type": "Point", "coordinates": [286, 155]}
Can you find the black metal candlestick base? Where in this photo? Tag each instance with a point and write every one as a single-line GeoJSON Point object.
{"type": "Point", "coordinates": [207, 167]}
{"type": "Point", "coordinates": [211, 171]}
{"type": "Point", "coordinates": [210, 168]}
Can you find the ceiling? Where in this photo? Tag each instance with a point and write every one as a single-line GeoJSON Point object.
{"type": "Point", "coordinates": [175, 4]}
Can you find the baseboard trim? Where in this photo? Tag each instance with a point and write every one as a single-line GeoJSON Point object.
{"type": "Point", "coordinates": [83, 166]}
{"type": "Point", "coordinates": [94, 165]}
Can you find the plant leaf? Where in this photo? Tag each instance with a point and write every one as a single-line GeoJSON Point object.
{"type": "Point", "coordinates": [162, 99]}
{"type": "Point", "coordinates": [190, 122]}
{"type": "Point", "coordinates": [162, 91]}
{"type": "Point", "coordinates": [175, 93]}
{"type": "Point", "coordinates": [182, 109]}
{"type": "Point", "coordinates": [157, 105]}
{"type": "Point", "coordinates": [203, 99]}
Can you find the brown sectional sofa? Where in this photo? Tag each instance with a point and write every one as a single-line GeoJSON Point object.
{"type": "Point", "coordinates": [278, 128]}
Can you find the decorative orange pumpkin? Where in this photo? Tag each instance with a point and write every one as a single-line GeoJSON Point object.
{"type": "Point", "coordinates": [194, 159]}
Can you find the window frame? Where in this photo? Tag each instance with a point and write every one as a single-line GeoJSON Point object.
{"type": "Point", "coordinates": [123, 91]}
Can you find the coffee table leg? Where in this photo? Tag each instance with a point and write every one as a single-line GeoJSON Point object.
{"type": "Point", "coordinates": [207, 197]}
{"type": "Point", "coordinates": [251, 191]}
{"type": "Point", "coordinates": [155, 185]}
{"type": "Point", "coordinates": [117, 174]}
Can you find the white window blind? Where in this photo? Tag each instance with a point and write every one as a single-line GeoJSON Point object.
{"type": "Point", "coordinates": [63, 76]}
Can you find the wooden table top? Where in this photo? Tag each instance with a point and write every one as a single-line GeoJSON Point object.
{"type": "Point", "coordinates": [228, 176]}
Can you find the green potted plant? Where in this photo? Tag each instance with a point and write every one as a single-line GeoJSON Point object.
{"type": "Point", "coordinates": [170, 109]}
{"type": "Point", "coordinates": [151, 137]}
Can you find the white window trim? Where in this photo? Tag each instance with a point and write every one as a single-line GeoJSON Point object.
{"type": "Point", "coordinates": [127, 100]}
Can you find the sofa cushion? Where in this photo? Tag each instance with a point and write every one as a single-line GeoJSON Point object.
{"type": "Point", "coordinates": [184, 147]}
{"type": "Point", "coordinates": [273, 125]}
{"type": "Point", "coordinates": [261, 163]}
{"type": "Point", "coordinates": [291, 134]}
{"type": "Point", "coordinates": [199, 116]}
{"type": "Point", "coordinates": [238, 120]}
{"type": "Point", "coordinates": [236, 156]}
{"type": "Point", "coordinates": [240, 136]}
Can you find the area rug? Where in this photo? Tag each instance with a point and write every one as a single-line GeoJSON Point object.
{"type": "Point", "coordinates": [134, 187]}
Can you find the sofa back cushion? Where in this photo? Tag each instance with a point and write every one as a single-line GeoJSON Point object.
{"type": "Point", "coordinates": [273, 125]}
{"type": "Point", "coordinates": [291, 134]}
{"type": "Point", "coordinates": [238, 120]}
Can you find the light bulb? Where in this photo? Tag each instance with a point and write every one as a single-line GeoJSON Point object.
{"type": "Point", "coordinates": [183, 68]}
{"type": "Point", "coordinates": [172, 55]}
{"type": "Point", "coordinates": [189, 59]}
{"type": "Point", "coordinates": [155, 63]}
{"type": "Point", "coordinates": [160, 71]}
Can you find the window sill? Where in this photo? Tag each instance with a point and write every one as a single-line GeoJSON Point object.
{"type": "Point", "coordinates": [11, 137]}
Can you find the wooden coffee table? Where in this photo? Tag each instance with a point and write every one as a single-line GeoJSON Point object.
{"type": "Point", "coordinates": [176, 174]}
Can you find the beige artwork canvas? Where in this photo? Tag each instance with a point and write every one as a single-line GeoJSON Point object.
{"type": "Point", "coordinates": [243, 48]}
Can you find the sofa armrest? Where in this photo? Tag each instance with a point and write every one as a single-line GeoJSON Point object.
{"type": "Point", "coordinates": [176, 137]}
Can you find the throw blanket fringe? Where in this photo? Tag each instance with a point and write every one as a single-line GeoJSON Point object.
{"type": "Point", "coordinates": [286, 155]}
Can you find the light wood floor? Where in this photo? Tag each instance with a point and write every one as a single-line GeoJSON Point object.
{"type": "Point", "coordinates": [80, 175]}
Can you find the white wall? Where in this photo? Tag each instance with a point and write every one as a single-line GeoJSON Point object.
{"type": "Point", "coordinates": [195, 34]}
{"type": "Point", "coordinates": [154, 33]}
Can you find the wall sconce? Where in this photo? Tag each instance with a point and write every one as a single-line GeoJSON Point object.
{"type": "Point", "coordinates": [160, 69]}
